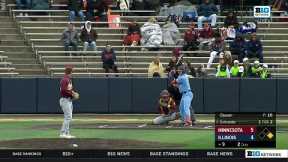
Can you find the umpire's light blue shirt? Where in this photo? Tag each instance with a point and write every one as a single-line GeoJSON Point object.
{"type": "Point", "coordinates": [183, 83]}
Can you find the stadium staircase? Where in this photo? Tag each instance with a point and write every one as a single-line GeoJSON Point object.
{"type": "Point", "coordinates": [37, 46]}
{"type": "Point", "coordinates": [19, 56]}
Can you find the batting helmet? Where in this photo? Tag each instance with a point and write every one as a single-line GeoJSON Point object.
{"type": "Point", "coordinates": [182, 67]}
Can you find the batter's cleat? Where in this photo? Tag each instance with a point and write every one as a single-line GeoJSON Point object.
{"type": "Point", "coordinates": [62, 135]}
{"type": "Point", "coordinates": [188, 124]}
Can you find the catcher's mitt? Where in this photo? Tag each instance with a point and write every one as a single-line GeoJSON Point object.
{"type": "Point", "coordinates": [75, 96]}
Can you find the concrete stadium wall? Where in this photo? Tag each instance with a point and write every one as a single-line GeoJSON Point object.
{"type": "Point", "coordinates": [139, 95]}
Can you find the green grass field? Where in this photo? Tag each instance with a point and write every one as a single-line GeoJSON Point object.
{"type": "Point", "coordinates": [21, 127]}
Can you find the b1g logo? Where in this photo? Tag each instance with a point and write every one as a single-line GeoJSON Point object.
{"type": "Point", "coordinates": [262, 11]}
{"type": "Point", "coordinates": [253, 153]}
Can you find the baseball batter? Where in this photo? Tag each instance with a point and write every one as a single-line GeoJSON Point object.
{"type": "Point", "coordinates": [167, 109]}
{"type": "Point", "coordinates": [187, 96]}
{"type": "Point", "coordinates": [67, 95]}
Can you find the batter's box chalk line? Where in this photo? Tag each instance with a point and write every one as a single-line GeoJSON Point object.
{"type": "Point", "coordinates": [142, 126]}
{"type": "Point", "coordinates": [103, 126]}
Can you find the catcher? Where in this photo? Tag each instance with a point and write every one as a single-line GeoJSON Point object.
{"type": "Point", "coordinates": [167, 109]}
{"type": "Point", "coordinates": [67, 95]}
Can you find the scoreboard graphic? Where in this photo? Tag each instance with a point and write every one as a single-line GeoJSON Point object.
{"type": "Point", "coordinates": [245, 130]}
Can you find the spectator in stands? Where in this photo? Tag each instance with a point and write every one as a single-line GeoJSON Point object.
{"type": "Point", "coordinates": [39, 5]}
{"type": "Point", "coordinates": [228, 59]}
{"type": "Point", "coordinates": [151, 35]}
{"type": "Point", "coordinates": [133, 28]}
{"type": "Point", "coordinates": [191, 70]}
{"type": "Point", "coordinates": [108, 59]}
{"type": "Point", "coordinates": [230, 28]}
{"type": "Point", "coordinates": [264, 74]}
{"type": "Point", "coordinates": [228, 33]}
{"type": "Point", "coordinates": [23, 5]}
{"type": "Point", "coordinates": [133, 36]}
{"type": "Point", "coordinates": [156, 68]}
{"type": "Point", "coordinates": [191, 37]}
{"type": "Point", "coordinates": [75, 9]}
{"type": "Point", "coordinates": [173, 64]}
{"type": "Point", "coordinates": [256, 69]}
{"type": "Point", "coordinates": [89, 6]}
{"type": "Point", "coordinates": [234, 71]}
{"type": "Point", "coordinates": [88, 36]}
{"type": "Point", "coordinates": [70, 37]}
{"type": "Point", "coordinates": [207, 12]}
{"type": "Point", "coordinates": [237, 47]}
{"type": "Point", "coordinates": [3, 4]}
{"type": "Point", "coordinates": [231, 20]}
{"type": "Point", "coordinates": [132, 39]}
{"type": "Point", "coordinates": [170, 33]}
{"type": "Point", "coordinates": [102, 7]}
{"type": "Point", "coordinates": [247, 70]}
{"type": "Point", "coordinates": [254, 48]}
{"type": "Point", "coordinates": [205, 36]}
{"type": "Point", "coordinates": [217, 47]}
{"type": "Point", "coordinates": [201, 72]}
{"type": "Point", "coordinates": [222, 68]}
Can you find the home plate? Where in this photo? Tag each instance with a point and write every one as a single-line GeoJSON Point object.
{"type": "Point", "coordinates": [103, 126]}
{"type": "Point", "coordinates": [142, 126]}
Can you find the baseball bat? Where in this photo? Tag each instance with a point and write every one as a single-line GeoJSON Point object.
{"type": "Point", "coordinates": [180, 58]}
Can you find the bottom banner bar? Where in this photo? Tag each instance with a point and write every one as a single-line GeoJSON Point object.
{"type": "Point", "coordinates": [94, 154]}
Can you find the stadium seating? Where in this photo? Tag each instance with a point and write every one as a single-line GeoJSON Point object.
{"type": "Point", "coordinates": [39, 38]}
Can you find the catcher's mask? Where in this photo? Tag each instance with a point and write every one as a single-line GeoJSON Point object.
{"type": "Point", "coordinates": [165, 94]}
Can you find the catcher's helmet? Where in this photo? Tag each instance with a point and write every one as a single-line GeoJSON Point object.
{"type": "Point", "coordinates": [164, 93]}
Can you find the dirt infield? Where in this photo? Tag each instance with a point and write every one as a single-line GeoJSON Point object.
{"type": "Point", "coordinates": [125, 126]}
{"type": "Point", "coordinates": [82, 144]}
